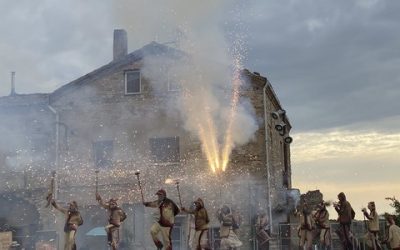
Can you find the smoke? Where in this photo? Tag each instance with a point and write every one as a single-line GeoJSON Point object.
{"type": "Point", "coordinates": [208, 77]}
{"type": "Point", "coordinates": [20, 151]}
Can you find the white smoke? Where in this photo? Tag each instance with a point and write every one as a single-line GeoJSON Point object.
{"type": "Point", "coordinates": [205, 75]}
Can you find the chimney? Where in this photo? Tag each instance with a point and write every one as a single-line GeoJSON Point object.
{"type": "Point", "coordinates": [120, 44]}
{"type": "Point", "coordinates": [12, 83]}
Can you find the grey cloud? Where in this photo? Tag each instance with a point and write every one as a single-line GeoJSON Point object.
{"type": "Point", "coordinates": [341, 72]}
{"type": "Point", "coordinates": [332, 63]}
{"type": "Point", "coordinates": [52, 43]}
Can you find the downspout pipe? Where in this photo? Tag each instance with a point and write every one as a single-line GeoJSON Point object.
{"type": "Point", "coordinates": [267, 165]}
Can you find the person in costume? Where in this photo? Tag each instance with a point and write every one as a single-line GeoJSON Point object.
{"type": "Point", "coordinates": [168, 210]}
{"type": "Point", "coordinates": [73, 220]}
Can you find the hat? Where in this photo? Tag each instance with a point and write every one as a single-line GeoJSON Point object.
{"type": "Point", "coordinates": [112, 200]}
{"type": "Point", "coordinates": [200, 202]}
{"type": "Point", "coordinates": [161, 192]}
{"type": "Point", "coordinates": [73, 203]}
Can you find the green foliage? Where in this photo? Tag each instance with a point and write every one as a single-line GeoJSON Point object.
{"type": "Point", "coordinates": [396, 205]}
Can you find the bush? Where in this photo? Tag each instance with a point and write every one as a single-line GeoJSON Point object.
{"type": "Point", "coordinates": [396, 205]}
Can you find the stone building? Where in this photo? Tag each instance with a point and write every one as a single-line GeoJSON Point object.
{"type": "Point", "coordinates": [114, 120]}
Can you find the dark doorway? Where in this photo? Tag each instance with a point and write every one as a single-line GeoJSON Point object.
{"type": "Point", "coordinates": [21, 218]}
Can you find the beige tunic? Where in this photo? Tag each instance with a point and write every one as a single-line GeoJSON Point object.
{"type": "Point", "coordinates": [394, 236]}
{"type": "Point", "coordinates": [168, 211]}
{"type": "Point", "coordinates": [70, 219]}
{"type": "Point", "coordinates": [200, 217]}
{"type": "Point", "coordinates": [117, 215]}
{"type": "Point", "coordinates": [373, 222]}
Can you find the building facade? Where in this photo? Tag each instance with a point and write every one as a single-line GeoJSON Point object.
{"type": "Point", "coordinates": [115, 121]}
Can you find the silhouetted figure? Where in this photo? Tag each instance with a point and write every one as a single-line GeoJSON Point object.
{"type": "Point", "coordinates": [321, 217]}
{"type": "Point", "coordinates": [346, 215]}
{"type": "Point", "coordinates": [393, 237]}
{"type": "Point", "coordinates": [372, 226]}
{"type": "Point", "coordinates": [306, 228]}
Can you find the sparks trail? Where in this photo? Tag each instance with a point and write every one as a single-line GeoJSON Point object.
{"type": "Point", "coordinates": [228, 144]}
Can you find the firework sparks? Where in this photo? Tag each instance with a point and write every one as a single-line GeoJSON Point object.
{"type": "Point", "coordinates": [228, 144]}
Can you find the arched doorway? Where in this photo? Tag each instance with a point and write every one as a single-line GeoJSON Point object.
{"type": "Point", "coordinates": [20, 217]}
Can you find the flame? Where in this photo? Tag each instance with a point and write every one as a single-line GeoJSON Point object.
{"type": "Point", "coordinates": [217, 154]}
{"type": "Point", "coordinates": [219, 159]}
{"type": "Point", "coordinates": [206, 148]}
{"type": "Point", "coordinates": [169, 181]}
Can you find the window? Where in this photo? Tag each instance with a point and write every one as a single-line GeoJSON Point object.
{"type": "Point", "coordinates": [165, 149]}
{"type": "Point", "coordinates": [39, 144]}
{"type": "Point", "coordinates": [132, 82]}
{"type": "Point", "coordinates": [173, 82]}
{"type": "Point", "coordinates": [103, 152]}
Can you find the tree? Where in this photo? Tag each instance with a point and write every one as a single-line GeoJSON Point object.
{"type": "Point", "coordinates": [396, 205]}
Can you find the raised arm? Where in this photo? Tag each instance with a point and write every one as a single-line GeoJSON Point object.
{"type": "Point", "coordinates": [101, 202]}
{"type": "Point", "coordinates": [367, 215]}
{"type": "Point", "coordinates": [61, 209]}
{"type": "Point", "coordinates": [153, 204]}
{"type": "Point", "coordinates": [188, 211]}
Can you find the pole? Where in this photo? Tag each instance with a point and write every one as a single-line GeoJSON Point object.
{"type": "Point", "coordinates": [97, 181]}
{"type": "Point", "coordinates": [137, 173]}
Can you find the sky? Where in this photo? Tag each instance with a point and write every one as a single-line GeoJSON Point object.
{"type": "Point", "coordinates": [333, 64]}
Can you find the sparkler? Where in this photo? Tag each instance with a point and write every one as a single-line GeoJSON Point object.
{"type": "Point", "coordinates": [228, 145]}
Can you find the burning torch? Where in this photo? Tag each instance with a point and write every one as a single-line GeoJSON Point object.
{"type": "Point", "coordinates": [179, 192]}
{"type": "Point", "coordinates": [176, 181]}
{"type": "Point", "coordinates": [97, 181]}
{"type": "Point", "coordinates": [49, 196]}
{"type": "Point", "coordinates": [137, 173]}
{"type": "Point", "coordinates": [98, 198]}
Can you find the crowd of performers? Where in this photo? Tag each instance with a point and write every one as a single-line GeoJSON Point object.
{"type": "Point", "coordinates": [163, 226]}
{"type": "Point", "coordinates": [314, 222]}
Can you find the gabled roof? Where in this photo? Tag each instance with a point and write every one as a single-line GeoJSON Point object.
{"type": "Point", "coordinates": [24, 100]}
{"type": "Point", "coordinates": [151, 49]}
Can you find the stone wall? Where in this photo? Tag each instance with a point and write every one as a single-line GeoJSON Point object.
{"type": "Point", "coordinates": [100, 110]}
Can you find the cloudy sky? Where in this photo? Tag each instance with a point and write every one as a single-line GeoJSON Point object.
{"type": "Point", "coordinates": [333, 64]}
